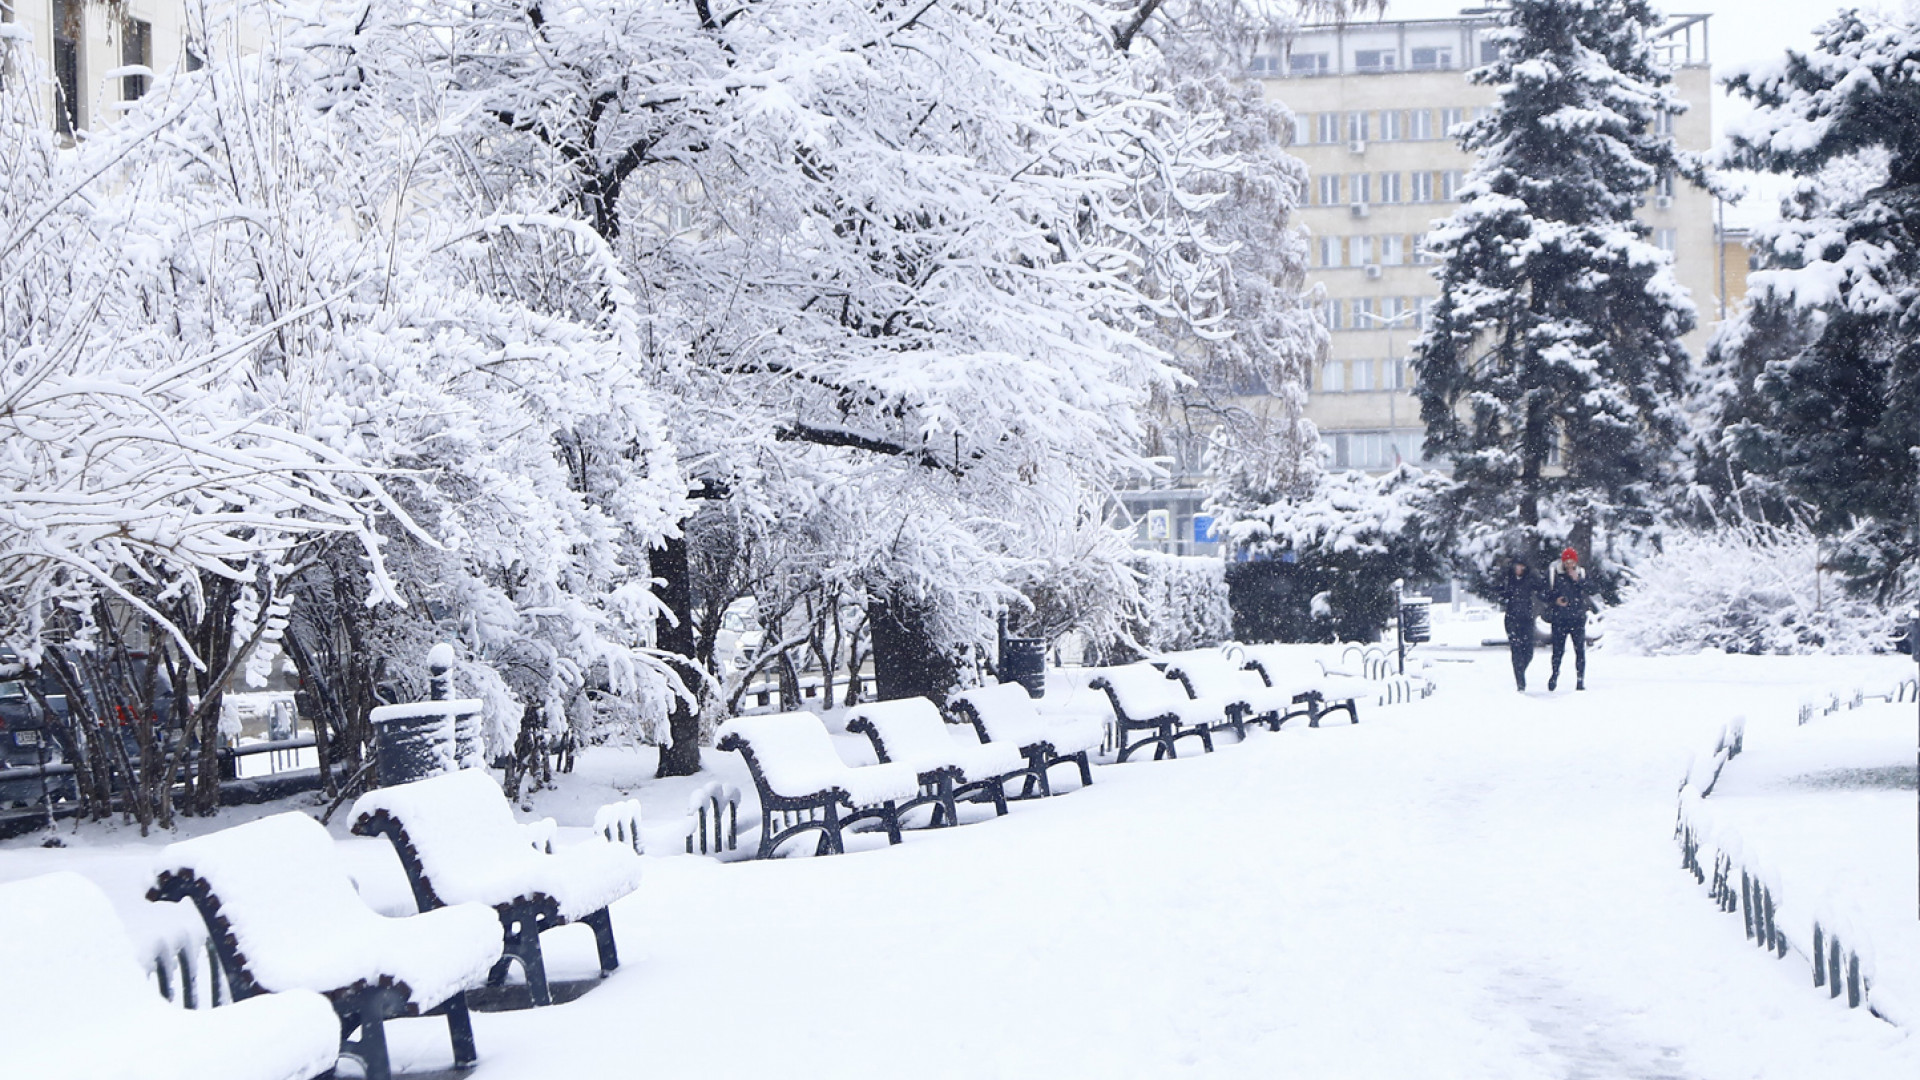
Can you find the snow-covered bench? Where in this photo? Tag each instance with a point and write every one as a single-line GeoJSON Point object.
{"type": "Point", "coordinates": [1288, 667]}
{"type": "Point", "coordinates": [1208, 673]}
{"type": "Point", "coordinates": [1144, 699]}
{"type": "Point", "coordinates": [803, 784]}
{"type": "Point", "coordinates": [79, 1004]}
{"type": "Point", "coordinates": [283, 915]}
{"type": "Point", "coordinates": [457, 839]}
{"type": "Point", "coordinates": [1005, 713]}
{"type": "Point", "coordinates": [911, 732]}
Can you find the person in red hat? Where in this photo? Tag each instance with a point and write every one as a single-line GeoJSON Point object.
{"type": "Point", "coordinates": [1567, 611]}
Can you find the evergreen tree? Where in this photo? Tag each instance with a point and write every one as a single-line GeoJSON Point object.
{"type": "Point", "coordinates": [1834, 419]}
{"type": "Point", "coordinates": [1558, 324]}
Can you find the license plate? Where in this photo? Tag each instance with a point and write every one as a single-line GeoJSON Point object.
{"type": "Point", "coordinates": [26, 738]}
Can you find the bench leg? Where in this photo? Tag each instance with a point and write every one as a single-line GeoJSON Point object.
{"type": "Point", "coordinates": [891, 819]}
{"type": "Point", "coordinates": [371, 1046]}
{"type": "Point", "coordinates": [765, 850]}
{"type": "Point", "coordinates": [945, 803]}
{"type": "Point", "coordinates": [998, 789]}
{"type": "Point", "coordinates": [459, 1030]}
{"type": "Point", "coordinates": [523, 944]}
{"type": "Point", "coordinates": [602, 923]}
{"type": "Point", "coordinates": [831, 842]}
{"type": "Point", "coordinates": [1086, 768]}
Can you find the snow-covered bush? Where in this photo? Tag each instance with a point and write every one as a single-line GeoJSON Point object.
{"type": "Point", "coordinates": [1183, 602]}
{"type": "Point", "coordinates": [1746, 589]}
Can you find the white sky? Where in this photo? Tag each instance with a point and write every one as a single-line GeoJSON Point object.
{"type": "Point", "coordinates": [1741, 31]}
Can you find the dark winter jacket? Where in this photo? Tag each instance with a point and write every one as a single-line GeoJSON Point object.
{"type": "Point", "coordinates": [1567, 597]}
{"type": "Point", "coordinates": [1518, 595]}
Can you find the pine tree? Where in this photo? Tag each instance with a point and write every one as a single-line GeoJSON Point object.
{"type": "Point", "coordinates": [1835, 422]}
{"type": "Point", "coordinates": [1558, 325]}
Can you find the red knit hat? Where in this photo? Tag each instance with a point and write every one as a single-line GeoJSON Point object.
{"type": "Point", "coordinates": [1569, 555]}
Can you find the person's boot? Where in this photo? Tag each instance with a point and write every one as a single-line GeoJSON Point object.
{"type": "Point", "coordinates": [1580, 683]}
{"type": "Point", "coordinates": [1521, 682]}
{"type": "Point", "coordinates": [1553, 682]}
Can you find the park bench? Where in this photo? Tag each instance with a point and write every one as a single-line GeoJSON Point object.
{"type": "Point", "coordinates": [1144, 699]}
{"type": "Point", "coordinates": [82, 1007]}
{"type": "Point", "coordinates": [1209, 673]}
{"type": "Point", "coordinates": [911, 732]}
{"type": "Point", "coordinates": [1005, 713]}
{"type": "Point", "coordinates": [458, 841]}
{"type": "Point", "coordinates": [803, 785]}
{"type": "Point", "coordinates": [1289, 668]}
{"type": "Point", "coordinates": [283, 915]}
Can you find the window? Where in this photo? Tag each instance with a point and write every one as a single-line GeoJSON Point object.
{"type": "Point", "coordinates": [1333, 376]}
{"type": "Point", "coordinates": [1330, 189]}
{"type": "Point", "coordinates": [1363, 314]}
{"type": "Point", "coordinates": [1431, 59]}
{"type": "Point", "coordinates": [1481, 112]}
{"type": "Point", "coordinates": [1393, 249]}
{"type": "Point", "coordinates": [136, 47]}
{"type": "Point", "coordinates": [66, 66]}
{"type": "Point", "coordinates": [1418, 245]}
{"type": "Point", "coordinates": [1357, 127]}
{"type": "Point", "coordinates": [1330, 251]}
{"type": "Point", "coordinates": [1420, 124]}
{"type": "Point", "coordinates": [1264, 67]}
{"type": "Point", "coordinates": [1329, 128]}
{"type": "Point", "coordinates": [1374, 60]}
{"type": "Point", "coordinates": [1389, 187]}
{"type": "Point", "coordinates": [1306, 64]}
{"type": "Point", "coordinates": [1663, 123]}
{"type": "Point", "coordinates": [1397, 373]}
{"type": "Point", "coordinates": [1489, 51]}
{"type": "Point", "coordinates": [1331, 315]}
{"type": "Point", "coordinates": [194, 60]}
{"type": "Point", "coordinates": [1422, 187]}
{"type": "Point", "coordinates": [1449, 118]}
{"type": "Point", "coordinates": [1450, 184]}
{"type": "Point", "coordinates": [1422, 311]}
{"type": "Point", "coordinates": [1361, 250]}
{"type": "Point", "coordinates": [1390, 126]}
{"type": "Point", "coordinates": [1363, 375]}
{"type": "Point", "coordinates": [1666, 239]}
{"type": "Point", "coordinates": [1362, 187]}
{"type": "Point", "coordinates": [1663, 184]}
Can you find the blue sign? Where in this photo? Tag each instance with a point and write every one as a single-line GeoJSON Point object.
{"type": "Point", "coordinates": [1203, 532]}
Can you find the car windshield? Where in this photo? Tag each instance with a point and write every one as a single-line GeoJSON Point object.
{"type": "Point", "coordinates": [12, 692]}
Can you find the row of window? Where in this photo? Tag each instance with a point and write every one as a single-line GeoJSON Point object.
{"type": "Point", "coordinates": [1373, 449]}
{"type": "Point", "coordinates": [1370, 61]}
{"type": "Point", "coordinates": [1366, 189]}
{"type": "Point", "coordinates": [1389, 249]}
{"type": "Point", "coordinates": [1361, 376]}
{"type": "Point", "coordinates": [1386, 125]}
{"type": "Point", "coordinates": [1377, 313]}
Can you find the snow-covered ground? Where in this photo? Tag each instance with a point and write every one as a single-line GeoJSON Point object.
{"type": "Point", "coordinates": [1483, 884]}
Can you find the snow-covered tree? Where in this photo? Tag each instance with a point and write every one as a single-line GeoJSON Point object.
{"type": "Point", "coordinates": [1551, 373]}
{"type": "Point", "coordinates": [1820, 392]}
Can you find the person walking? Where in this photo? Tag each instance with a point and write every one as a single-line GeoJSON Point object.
{"type": "Point", "coordinates": [1520, 590]}
{"type": "Point", "coordinates": [1567, 611]}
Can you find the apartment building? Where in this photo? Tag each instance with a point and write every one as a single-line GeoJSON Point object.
{"type": "Point", "coordinates": [1374, 102]}
{"type": "Point", "coordinates": [100, 56]}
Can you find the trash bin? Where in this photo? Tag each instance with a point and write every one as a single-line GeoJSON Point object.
{"type": "Point", "coordinates": [412, 741]}
{"type": "Point", "coordinates": [1024, 660]}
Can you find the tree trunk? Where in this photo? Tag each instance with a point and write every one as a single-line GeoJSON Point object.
{"type": "Point", "coordinates": [681, 755]}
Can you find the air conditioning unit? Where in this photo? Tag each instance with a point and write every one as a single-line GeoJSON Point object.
{"type": "Point", "coordinates": [1357, 146]}
{"type": "Point", "coordinates": [1373, 272]}
{"type": "Point", "coordinates": [1663, 202]}
{"type": "Point", "coordinates": [1359, 209]}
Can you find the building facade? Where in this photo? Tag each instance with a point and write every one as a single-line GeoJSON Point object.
{"type": "Point", "coordinates": [1373, 104]}
{"type": "Point", "coordinates": [99, 56]}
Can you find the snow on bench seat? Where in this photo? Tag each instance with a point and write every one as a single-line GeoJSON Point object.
{"type": "Point", "coordinates": [284, 915]}
{"type": "Point", "coordinates": [803, 784]}
{"type": "Point", "coordinates": [1209, 673]}
{"type": "Point", "coordinates": [457, 839]}
{"type": "Point", "coordinates": [82, 1006]}
{"type": "Point", "coordinates": [912, 732]}
{"type": "Point", "coordinates": [1006, 713]}
{"type": "Point", "coordinates": [1144, 699]}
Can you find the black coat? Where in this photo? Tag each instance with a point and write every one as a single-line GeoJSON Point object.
{"type": "Point", "coordinates": [1518, 595]}
{"type": "Point", "coordinates": [1567, 598]}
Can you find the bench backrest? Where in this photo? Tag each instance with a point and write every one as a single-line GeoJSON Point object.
{"type": "Point", "coordinates": [907, 730]}
{"type": "Point", "coordinates": [286, 897]}
{"type": "Point", "coordinates": [791, 752]}
{"type": "Point", "coordinates": [1143, 691]}
{"type": "Point", "coordinates": [1211, 673]}
{"type": "Point", "coordinates": [1001, 712]}
{"type": "Point", "coordinates": [463, 834]}
{"type": "Point", "coordinates": [67, 953]}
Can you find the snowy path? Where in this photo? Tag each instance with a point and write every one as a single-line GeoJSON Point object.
{"type": "Point", "coordinates": [1477, 886]}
